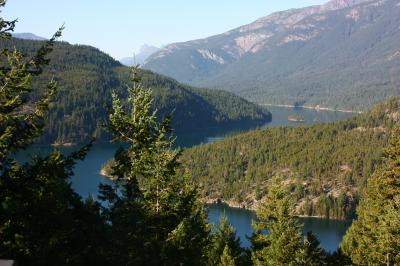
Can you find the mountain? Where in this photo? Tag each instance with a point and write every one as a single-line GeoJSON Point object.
{"type": "Point", "coordinates": [327, 165]}
{"type": "Point", "coordinates": [343, 54]}
{"type": "Point", "coordinates": [86, 77]}
{"type": "Point", "coordinates": [144, 52]}
{"type": "Point", "coordinates": [28, 36]}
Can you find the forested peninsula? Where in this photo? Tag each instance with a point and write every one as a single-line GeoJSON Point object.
{"type": "Point", "coordinates": [326, 165]}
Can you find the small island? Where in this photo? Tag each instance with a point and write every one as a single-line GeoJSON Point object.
{"type": "Point", "coordinates": [296, 118]}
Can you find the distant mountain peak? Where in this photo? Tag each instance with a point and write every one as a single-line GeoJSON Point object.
{"type": "Point", "coordinates": [339, 4]}
{"type": "Point", "coordinates": [145, 47]}
{"type": "Point", "coordinates": [28, 36]}
{"type": "Point", "coordinates": [292, 16]}
{"type": "Point", "coordinates": [140, 57]}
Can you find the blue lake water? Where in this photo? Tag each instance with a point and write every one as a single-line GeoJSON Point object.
{"type": "Point", "coordinates": [86, 176]}
{"type": "Point", "coordinates": [279, 118]}
{"type": "Point", "coordinates": [329, 232]}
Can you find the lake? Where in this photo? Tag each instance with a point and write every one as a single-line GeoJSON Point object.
{"type": "Point", "coordinates": [279, 118]}
{"type": "Point", "coordinates": [86, 174]}
{"type": "Point", "coordinates": [328, 232]}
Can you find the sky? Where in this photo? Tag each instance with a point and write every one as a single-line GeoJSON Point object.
{"type": "Point", "coordinates": [120, 27]}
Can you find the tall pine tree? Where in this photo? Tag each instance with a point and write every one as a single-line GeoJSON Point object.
{"type": "Point", "coordinates": [42, 219]}
{"type": "Point", "coordinates": [312, 254]}
{"type": "Point", "coordinates": [224, 242]}
{"type": "Point", "coordinates": [277, 238]}
{"type": "Point", "coordinates": [155, 213]}
{"type": "Point", "coordinates": [227, 258]}
{"type": "Point", "coordinates": [374, 237]}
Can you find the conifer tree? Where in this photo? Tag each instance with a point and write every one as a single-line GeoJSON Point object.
{"type": "Point", "coordinates": [42, 219]}
{"type": "Point", "coordinates": [21, 120]}
{"type": "Point", "coordinates": [338, 258]}
{"type": "Point", "coordinates": [226, 257]}
{"type": "Point", "coordinates": [374, 237]}
{"type": "Point", "coordinates": [157, 217]}
{"type": "Point", "coordinates": [312, 254]}
{"type": "Point", "coordinates": [225, 238]}
{"type": "Point", "coordinates": [282, 243]}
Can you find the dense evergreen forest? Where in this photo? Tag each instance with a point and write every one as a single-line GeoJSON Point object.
{"type": "Point", "coordinates": [162, 220]}
{"type": "Point", "coordinates": [86, 77]}
{"type": "Point", "coordinates": [326, 165]}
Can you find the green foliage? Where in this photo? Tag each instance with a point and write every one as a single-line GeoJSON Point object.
{"type": "Point", "coordinates": [155, 215]}
{"type": "Point", "coordinates": [326, 165]}
{"type": "Point", "coordinates": [338, 258]}
{"type": "Point", "coordinates": [42, 220]}
{"type": "Point", "coordinates": [225, 246]}
{"type": "Point", "coordinates": [312, 254]}
{"type": "Point", "coordinates": [226, 258]}
{"type": "Point", "coordinates": [86, 77]}
{"type": "Point", "coordinates": [21, 121]}
{"type": "Point", "coordinates": [373, 238]}
{"type": "Point", "coordinates": [282, 243]}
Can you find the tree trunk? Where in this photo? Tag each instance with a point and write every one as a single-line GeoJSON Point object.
{"type": "Point", "coordinates": [387, 259]}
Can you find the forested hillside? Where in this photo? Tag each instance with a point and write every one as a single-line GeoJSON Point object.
{"type": "Point", "coordinates": [327, 165]}
{"type": "Point", "coordinates": [86, 77]}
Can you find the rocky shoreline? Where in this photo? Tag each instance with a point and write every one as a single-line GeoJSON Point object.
{"type": "Point", "coordinates": [317, 108]}
{"type": "Point", "coordinates": [104, 174]}
{"type": "Point", "coordinates": [296, 118]}
{"type": "Point", "coordinates": [253, 208]}
{"type": "Point", "coordinates": [230, 203]}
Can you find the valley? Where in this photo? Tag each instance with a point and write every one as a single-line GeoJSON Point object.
{"type": "Point", "coordinates": [87, 174]}
{"type": "Point", "coordinates": [274, 143]}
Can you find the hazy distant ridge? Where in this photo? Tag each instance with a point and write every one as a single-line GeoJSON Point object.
{"type": "Point", "coordinates": [144, 52]}
{"type": "Point", "coordinates": [28, 36]}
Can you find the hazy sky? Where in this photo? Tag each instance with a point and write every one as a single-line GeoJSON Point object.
{"type": "Point", "coordinates": [120, 27]}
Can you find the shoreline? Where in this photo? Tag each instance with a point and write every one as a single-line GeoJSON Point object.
{"type": "Point", "coordinates": [104, 174]}
{"type": "Point", "coordinates": [316, 108]}
{"type": "Point", "coordinates": [230, 204]}
{"type": "Point", "coordinates": [235, 205]}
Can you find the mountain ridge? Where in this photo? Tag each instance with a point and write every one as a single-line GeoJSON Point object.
{"type": "Point", "coordinates": [28, 36]}
{"type": "Point", "coordinates": [290, 57]}
{"type": "Point", "coordinates": [87, 76]}
{"type": "Point", "coordinates": [277, 17]}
